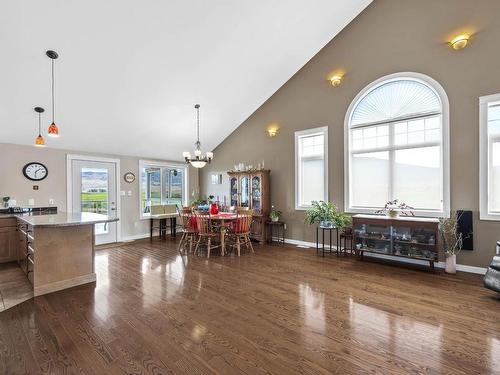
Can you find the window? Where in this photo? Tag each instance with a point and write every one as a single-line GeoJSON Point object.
{"type": "Point", "coordinates": [311, 167]}
{"type": "Point", "coordinates": [396, 143]}
{"type": "Point", "coordinates": [489, 156]}
{"type": "Point", "coordinates": [161, 184]}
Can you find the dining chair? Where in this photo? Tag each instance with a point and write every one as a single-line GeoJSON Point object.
{"type": "Point", "coordinates": [240, 232]}
{"type": "Point", "coordinates": [189, 232]}
{"type": "Point", "coordinates": [205, 233]}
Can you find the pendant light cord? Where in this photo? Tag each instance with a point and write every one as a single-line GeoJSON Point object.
{"type": "Point", "coordinates": [39, 124]}
{"type": "Point", "coordinates": [198, 124]}
{"type": "Point", "coordinates": [53, 105]}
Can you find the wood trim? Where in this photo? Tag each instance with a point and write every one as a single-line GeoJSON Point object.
{"type": "Point", "coordinates": [64, 284]}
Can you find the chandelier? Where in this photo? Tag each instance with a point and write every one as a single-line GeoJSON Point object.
{"type": "Point", "coordinates": [199, 160]}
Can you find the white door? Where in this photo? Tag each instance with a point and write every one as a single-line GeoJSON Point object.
{"type": "Point", "coordinates": [93, 189]}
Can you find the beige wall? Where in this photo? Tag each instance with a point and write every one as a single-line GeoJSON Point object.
{"type": "Point", "coordinates": [389, 36]}
{"type": "Point", "coordinates": [15, 185]}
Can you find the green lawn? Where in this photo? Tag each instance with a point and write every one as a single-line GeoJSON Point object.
{"type": "Point", "coordinates": [96, 197]}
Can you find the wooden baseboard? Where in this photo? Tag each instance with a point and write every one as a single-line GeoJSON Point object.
{"type": "Point", "coordinates": [64, 284]}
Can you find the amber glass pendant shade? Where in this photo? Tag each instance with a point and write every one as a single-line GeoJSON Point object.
{"type": "Point", "coordinates": [39, 141]}
{"type": "Point", "coordinates": [53, 131]}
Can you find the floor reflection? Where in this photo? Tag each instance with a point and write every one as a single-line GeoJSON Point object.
{"type": "Point", "coordinates": [394, 333]}
{"type": "Point", "coordinates": [312, 304]}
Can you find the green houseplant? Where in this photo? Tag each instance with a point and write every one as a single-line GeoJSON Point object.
{"type": "Point", "coordinates": [327, 215]}
{"type": "Point", "coordinates": [275, 214]}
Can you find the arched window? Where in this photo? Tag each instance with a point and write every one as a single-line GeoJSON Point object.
{"type": "Point", "coordinates": [396, 144]}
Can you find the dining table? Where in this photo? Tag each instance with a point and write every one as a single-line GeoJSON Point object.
{"type": "Point", "coordinates": [222, 218]}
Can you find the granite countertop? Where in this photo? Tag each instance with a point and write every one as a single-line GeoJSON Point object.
{"type": "Point", "coordinates": [64, 219]}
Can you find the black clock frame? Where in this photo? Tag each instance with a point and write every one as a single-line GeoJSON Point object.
{"type": "Point", "coordinates": [34, 179]}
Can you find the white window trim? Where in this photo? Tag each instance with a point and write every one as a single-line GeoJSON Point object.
{"type": "Point", "coordinates": [484, 102]}
{"type": "Point", "coordinates": [162, 164]}
{"type": "Point", "coordinates": [298, 134]}
{"type": "Point", "coordinates": [445, 151]}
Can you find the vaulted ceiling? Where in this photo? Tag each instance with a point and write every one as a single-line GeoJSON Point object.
{"type": "Point", "coordinates": [130, 72]}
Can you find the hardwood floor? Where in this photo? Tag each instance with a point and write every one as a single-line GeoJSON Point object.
{"type": "Point", "coordinates": [14, 286]}
{"type": "Point", "coordinates": [278, 311]}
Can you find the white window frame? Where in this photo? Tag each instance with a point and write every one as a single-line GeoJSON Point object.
{"type": "Point", "coordinates": [484, 157]}
{"type": "Point", "coordinates": [154, 163]}
{"type": "Point", "coordinates": [299, 134]}
{"type": "Point", "coordinates": [445, 145]}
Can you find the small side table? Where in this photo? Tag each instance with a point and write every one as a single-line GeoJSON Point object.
{"type": "Point", "coordinates": [330, 230]}
{"type": "Point", "coordinates": [277, 227]}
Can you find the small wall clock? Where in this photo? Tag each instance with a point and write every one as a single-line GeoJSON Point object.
{"type": "Point", "coordinates": [35, 171]}
{"type": "Point", "coordinates": [129, 177]}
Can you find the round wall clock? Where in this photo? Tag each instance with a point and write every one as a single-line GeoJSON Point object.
{"type": "Point", "coordinates": [129, 177]}
{"type": "Point", "coordinates": [35, 171]}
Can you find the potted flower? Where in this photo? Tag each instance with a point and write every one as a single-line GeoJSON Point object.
{"type": "Point", "coordinates": [393, 209]}
{"type": "Point", "coordinates": [327, 215]}
{"type": "Point", "coordinates": [275, 214]}
{"type": "Point", "coordinates": [452, 240]}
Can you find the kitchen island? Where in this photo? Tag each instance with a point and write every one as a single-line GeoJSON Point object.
{"type": "Point", "coordinates": [55, 251]}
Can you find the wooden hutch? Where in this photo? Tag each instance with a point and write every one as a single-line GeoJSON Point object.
{"type": "Point", "coordinates": [252, 189]}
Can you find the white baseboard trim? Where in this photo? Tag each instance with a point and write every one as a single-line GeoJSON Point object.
{"type": "Point", "coordinates": [460, 267]}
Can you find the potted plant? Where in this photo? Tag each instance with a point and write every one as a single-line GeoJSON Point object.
{"type": "Point", "coordinates": [452, 240]}
{"type": "Point", "coordinates": [275, 214]}
{"type": "Point", "coordinates": [393, 209]}
{"type": "Point", "coordinates": [327, 215]}
{"type": "Point", "coordinates": [6, 201]}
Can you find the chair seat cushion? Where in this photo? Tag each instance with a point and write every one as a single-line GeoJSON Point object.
{"type": "Point", "coordinates": [495, 263]}
{"type": "Point", "coordinates": [492, 279]}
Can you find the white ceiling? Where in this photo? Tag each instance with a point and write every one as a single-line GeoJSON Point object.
{"type": "Point", "coordinates": [130, 72]}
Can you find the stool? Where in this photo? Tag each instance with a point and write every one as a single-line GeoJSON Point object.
{"type": "Point", "coordinates": [347, 236]}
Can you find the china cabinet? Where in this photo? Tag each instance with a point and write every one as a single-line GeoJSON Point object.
{"type": "Point", "coordinates": [251, 189]}
{"type": "Point", "coordinates": [405, 237]}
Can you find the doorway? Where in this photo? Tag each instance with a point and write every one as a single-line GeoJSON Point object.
{"type": "Point", "coordinates": [93, 187]}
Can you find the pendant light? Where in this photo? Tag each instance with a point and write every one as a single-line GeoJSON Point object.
{"type": "Point", "coordinates": [199, 160]}
{"type": "Point", "coordinates": [53, 130]}
{"type": "Point", "coordinates": [39, 141]}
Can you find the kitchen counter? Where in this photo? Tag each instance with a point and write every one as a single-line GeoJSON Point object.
{"type": "Point", "coordinates": [65, 219]}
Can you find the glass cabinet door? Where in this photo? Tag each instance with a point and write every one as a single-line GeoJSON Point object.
{"type": "Point", "coordinates": [373, 237]}
{"type": "Point", "coordinates": [414, 242]}
{"type": "Point", "coordinates": [256, 194]}
{"type": "Point", "coordinates": [245, 191]}
{"type": "Point", "coordinates": [233, 181]}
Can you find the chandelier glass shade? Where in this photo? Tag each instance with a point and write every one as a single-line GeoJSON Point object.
{"type": "Point", "coordinates": [39, 141]}
{"type": "Point", "coordinates": [198, 160]}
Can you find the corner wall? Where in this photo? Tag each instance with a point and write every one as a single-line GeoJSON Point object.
{"type": "Point", "coordinates": [389, 36]}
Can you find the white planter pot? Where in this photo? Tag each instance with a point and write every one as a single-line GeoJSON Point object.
{"type": "Point", "coordinates": [451, 264]}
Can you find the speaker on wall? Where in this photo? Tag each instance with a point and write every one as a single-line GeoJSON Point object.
{"type": "Point", "coordinates": [465, 227]}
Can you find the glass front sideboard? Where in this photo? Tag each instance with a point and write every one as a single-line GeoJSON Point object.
{"type": "Point", "coordinates": [407, 237]}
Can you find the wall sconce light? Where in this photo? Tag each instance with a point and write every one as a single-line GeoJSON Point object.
{"type": "Point", "coordinates": [336, 80]}
{"type": "Point", "coordinates": [459, 42]}
{"type": "Point", "coordinates": [272, 130]}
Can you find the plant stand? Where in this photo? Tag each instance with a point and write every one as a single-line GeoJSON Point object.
{"type": "Point", "coordinates": [329, 230]}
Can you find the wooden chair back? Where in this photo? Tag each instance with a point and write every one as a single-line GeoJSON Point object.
{"type": "Point", "coordinates": [242, 210]}
{"type": "Point", "coordinates": [242, 224]}
{"type": "Point", "coordinates": [203, 224]}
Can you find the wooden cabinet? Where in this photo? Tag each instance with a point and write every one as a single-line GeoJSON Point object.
{"type": "Point", "coordinates": [8, 240]}
{"type": "Point", "coordinates": [404, 237]}
{"type": "Point", "coordinates": [252, 189]}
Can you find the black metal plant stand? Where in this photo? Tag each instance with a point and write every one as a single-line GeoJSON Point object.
{"type": "Point", "coordinates": [330, 230]}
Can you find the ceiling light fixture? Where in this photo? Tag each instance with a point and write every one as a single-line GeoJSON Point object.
{"type": "Point", "coordinates": [53, 131]}
{"type": "Point", "coordinates": [459, 42]}
{"type": "Point", "coordinates": [199, 160]}
{"type": "Point", "coordinates": [336, 80]}
{"type": "Point", "coordinates": [39, 141]}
